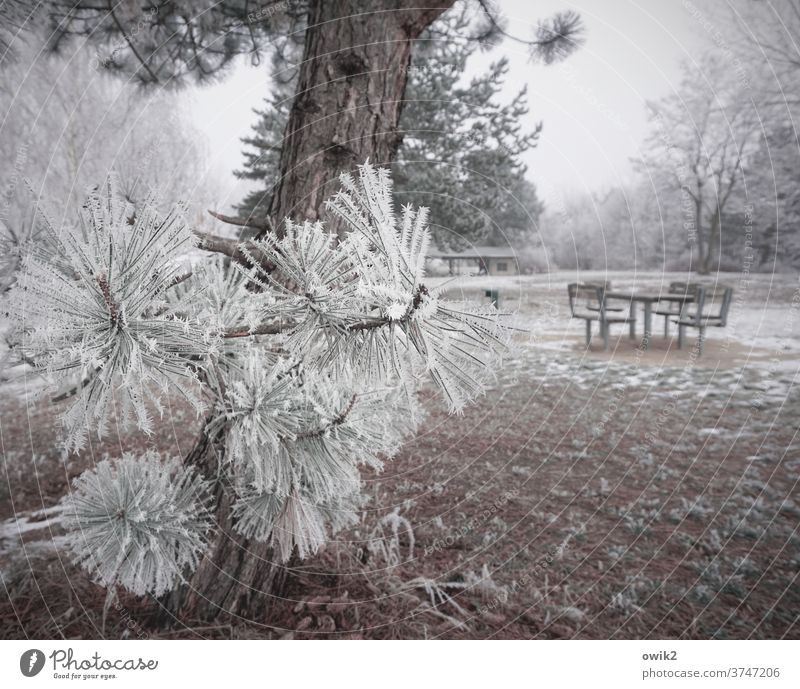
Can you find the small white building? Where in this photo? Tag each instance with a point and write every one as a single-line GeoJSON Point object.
{"type": "Point", "coordinates": [489, 260]}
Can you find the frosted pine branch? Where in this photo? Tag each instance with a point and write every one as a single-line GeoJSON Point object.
{"type": "Point", "coordinates": [311, 350]}
{"type": "Point", "coordinates": [137, 522]}
{"type": "Point", "coordinates": [297, 436]}
{"type": "Point", "coordinates": [362, 304]}
{"type": "Point", "coordinates": [295, 521]}
{"type": "Point", "coordinates": [291, 427]}
{"type": "Point", "coordinates": [90, 304]}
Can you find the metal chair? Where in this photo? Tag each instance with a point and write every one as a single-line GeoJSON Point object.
{"type": "Point", "coordinates": [674, 309]}
{"type": "Point", "coordinates": [589, 303]}
{"type": "Point", "coordinates": [700, 313]}
{"type": "Point", "coordinates": [606, 285]}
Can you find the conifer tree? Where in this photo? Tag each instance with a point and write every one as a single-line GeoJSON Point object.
{"type": "Point", "coordinates": [461, 145]}
{"type": "Point", "coordinates": [309, 352]}
{"type": "Point", "coordinates": [303, 346]}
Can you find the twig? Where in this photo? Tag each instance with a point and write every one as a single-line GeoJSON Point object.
{"type": "Point", "coordinates": [73, 391]}
{"type": "Point", "coordinates": [265, 226]}
{"type": "Point", "coordinates": [113, 307]}
{"type": "Point", "coordinates": [374, 323]}
{"type": "Point", "coordinates": [338, 421]}
{"type": "Point", "coordinates": [128, 40]}
{"type": "Point", "coordinates": [263, 329]}
{"type": "Point", "coordinates": [232, 248]}
{"type": "Point", "coordinates": [369, 324]}
{"type": "Point", "coordinates": [220, 245]}
{"type": "Point", "coordinates": [180, 278]}
{"type": "Point", "coordinates": [17, 349]}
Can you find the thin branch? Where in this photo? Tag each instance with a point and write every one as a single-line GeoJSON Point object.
{"type": "Point", "coordinates": [232, 248]}
{"type": "Point", "coordinates": [17, 349]}
{"type": "Point", "coordinates": [369, 324]}
{"type": "Point", "coordinates": [221, 245]}
{"type": "Point", "coordinates": [374, 323]}
{"type": "Point", "coordinates": [554, 39]}
{"type": "Point", "coordinates": [263, 329]}
{"type": "Point", "coordinates": [337, 421]}
{"type": "Point", "coordinates": [73, 391]}
{"type": "Point", "coordinates": [496, 25]}
{"type": "Point", "coordinates": [113, 307]}
{"type": "Point", "coordinates": [180, 278]}
{"type": "Point", "coordinates": [130, 44]}
{"type": "Point", "coordinates": [265, 226]}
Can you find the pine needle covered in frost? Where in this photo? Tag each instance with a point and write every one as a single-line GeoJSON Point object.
{"type": "Point", "coordinates": [137, 522]}
{"type": "Point", "coordinates": [90, 301]}
{"type": "Point", "coordinates": [296, 443]}
{"type": "Point", "coordinates": [216, 295]}
{"type": "Point", "coordinates": [361, 305]}
{"type": "Point", "coordinates": [313, 353]}
{"type": "Point", "coordinates": [295, 520]}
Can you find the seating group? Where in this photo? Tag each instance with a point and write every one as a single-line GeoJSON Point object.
{"type": "Point", "coordinates": [685, 304]}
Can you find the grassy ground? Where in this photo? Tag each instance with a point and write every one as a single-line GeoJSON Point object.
{"type": "Point", "coordinates": [589, 494]}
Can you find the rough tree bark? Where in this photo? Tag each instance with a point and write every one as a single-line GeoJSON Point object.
{"type": "Point", "coordinates": [346, 109]}
{"type": "Point", "coordinates": [238, 575]}
{"type": "Point", "coordinates": [349, 97]}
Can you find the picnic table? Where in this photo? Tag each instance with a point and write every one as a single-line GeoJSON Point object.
{"type": "Point", "coordinates": [648, 299]}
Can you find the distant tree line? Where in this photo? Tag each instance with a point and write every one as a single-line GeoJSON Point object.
{"type": "Point", "coordinates": [718, 183]}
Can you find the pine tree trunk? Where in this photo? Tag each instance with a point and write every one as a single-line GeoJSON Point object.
{"type": "Point", "coordinates": [349, 97]}
{"type": "Point", "coordinates": [347, 108]}
{"type": "Point", "coordinates": [237, 574]}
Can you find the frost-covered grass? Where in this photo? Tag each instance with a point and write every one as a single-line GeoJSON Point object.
{"type": "Point", "coordinates": [764, 321]}
{"type": "Point", "coordinates": [586, 496]}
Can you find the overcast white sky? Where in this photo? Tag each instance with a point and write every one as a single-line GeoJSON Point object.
{"type": "Point", "coordinates": [592, 105]}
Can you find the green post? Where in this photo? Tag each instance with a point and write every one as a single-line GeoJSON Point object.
{"type": "Point", "coordinates": [494, 297]}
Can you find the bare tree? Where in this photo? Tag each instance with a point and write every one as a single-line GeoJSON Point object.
{"type": "Point", "coordinates": [698, 145]}
{"type": "Point", "coordinates": [760, 40]}
{"type": "Point", "coordinates": [66, 124]}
